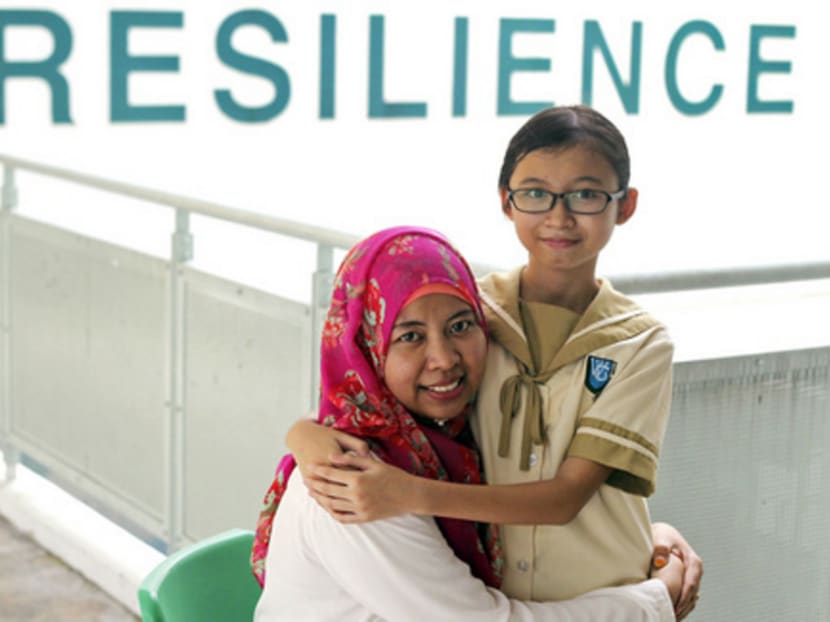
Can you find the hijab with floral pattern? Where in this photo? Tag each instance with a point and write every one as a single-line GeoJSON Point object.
{"type": "Point", "coordinates": [376, 279]}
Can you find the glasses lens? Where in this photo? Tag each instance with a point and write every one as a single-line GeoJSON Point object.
{"type": "Point", "coordinates": [586, 201]}
{"type": "Point", "coordinates": [532, 200]}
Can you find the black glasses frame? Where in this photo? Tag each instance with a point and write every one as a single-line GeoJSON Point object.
{"type": "Point", "coordinates": [565, 196]}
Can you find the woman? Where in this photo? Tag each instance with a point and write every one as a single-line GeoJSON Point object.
{"type": "Point", "coordinates": [403, 354]}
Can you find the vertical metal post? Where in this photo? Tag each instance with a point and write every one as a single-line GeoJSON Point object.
{"type": "Point", "coordinates": [322, 282]}
{"type": "Point", "coordinates": [181, 254]}
{"type": "Point", "coordinates": [8, 202]}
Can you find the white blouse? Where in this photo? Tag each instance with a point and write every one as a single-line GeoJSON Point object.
{"type": "Point", "coordinates": [401, 569]}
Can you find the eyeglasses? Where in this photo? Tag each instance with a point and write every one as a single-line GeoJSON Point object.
{"type": "Point", "coordinates": [537, 201]}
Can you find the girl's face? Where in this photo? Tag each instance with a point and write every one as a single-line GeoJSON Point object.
{"type": "Point", "coordinates": [436, 356]}
{"type": "Point", "coordinates": [558, 241]}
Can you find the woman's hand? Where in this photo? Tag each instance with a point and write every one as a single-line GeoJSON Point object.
{"type": "Point", "coordinates": [356, 489]}
{"type": "Point", "coordinates": [671, 573]}
{"type": "Point", "coordinates": [668, 542]}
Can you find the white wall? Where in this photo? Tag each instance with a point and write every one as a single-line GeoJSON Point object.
{"type": "Point", "coordinates": [724, 188]}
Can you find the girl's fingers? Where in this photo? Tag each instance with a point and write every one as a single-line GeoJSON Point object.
{"type": "Point", "coordinates": [351, 461]}
{"type": "Point", "coordinates": [348, 442]}
{"type": "Point", "coordinates": [328, 489]}
{"type": "Point", "coordinates": [329, 474]}
{"type": "Point", "coordinates": [338, 506]}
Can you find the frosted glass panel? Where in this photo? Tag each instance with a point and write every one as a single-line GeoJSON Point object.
{"type": "Point", "coordinates": [745, 474]}
{"type": "Point", "coordinates": [248, 370]}
{"type": "Point", "coordinates": [88, 357]}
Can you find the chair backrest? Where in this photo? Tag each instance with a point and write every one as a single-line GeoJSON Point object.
{"type": "Point", "coordinates": [208, 580]}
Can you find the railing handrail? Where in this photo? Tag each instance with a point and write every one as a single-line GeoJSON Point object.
{"type": "Point", "coordinates": [652, 283]}
{"type": "Point", "coordinates": [236, 215]}
{"type": "Point", "coordinates": [632, 284]}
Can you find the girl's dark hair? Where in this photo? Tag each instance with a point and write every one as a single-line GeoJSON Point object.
{"type": "Point", "coordinates": [566, 126]}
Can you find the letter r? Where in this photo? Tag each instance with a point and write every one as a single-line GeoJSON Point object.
{"type": "Point", "coordinates": [45, 69]}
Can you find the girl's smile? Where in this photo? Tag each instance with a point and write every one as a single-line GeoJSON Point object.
{"type": "Point", "coordinates": [560, 242]}
{"type": "Point", "coordinates": [563, 246]}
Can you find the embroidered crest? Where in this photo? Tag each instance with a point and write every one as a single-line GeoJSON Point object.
{"type": "Point", "coordinates": [598, 373]}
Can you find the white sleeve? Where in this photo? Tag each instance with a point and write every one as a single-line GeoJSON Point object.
{"type": "Point", "coordinates": [402, 569]}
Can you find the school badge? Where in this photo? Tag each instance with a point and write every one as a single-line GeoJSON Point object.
{"type": "Point", "coordinates": [598, 373]}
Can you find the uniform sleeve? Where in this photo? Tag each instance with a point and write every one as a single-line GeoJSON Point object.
{"type": "Point", "coordinates": [402, 569]}
{"type": "Point", "coordinates": [623, 426]}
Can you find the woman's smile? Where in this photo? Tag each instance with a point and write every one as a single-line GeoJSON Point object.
{"type": "Point", "coordinates": [446, 391]}
{"type": "Point", "coordinates": [436, 356]}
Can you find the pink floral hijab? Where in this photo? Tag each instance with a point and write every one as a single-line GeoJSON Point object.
{"type": "Point", "coordinates": [374, 282]}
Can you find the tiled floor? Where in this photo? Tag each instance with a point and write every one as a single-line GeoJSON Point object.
{"type": "Point", "coordinates": [36, 587]}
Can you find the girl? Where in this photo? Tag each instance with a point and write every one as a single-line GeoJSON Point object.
{"type": "Point", "coordinates": [403, 354]}
{"type": "Point", "coordinates": [577, 392]}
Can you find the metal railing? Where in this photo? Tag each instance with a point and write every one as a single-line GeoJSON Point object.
{"type": "Point", "coordinates": [326, 241]}
{"type": "Point", "coordinates": [181, 253]}
{"type": "Point", "coordinates": [721, 277]}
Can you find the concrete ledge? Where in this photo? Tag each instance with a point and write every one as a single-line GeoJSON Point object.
{"type": "Point", "coordinates": [113, 559]}
{"type": "Point", "coordinates": [741, 321]}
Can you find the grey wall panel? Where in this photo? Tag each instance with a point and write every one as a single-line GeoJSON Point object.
{"type": "Point", "coordinates": [247, 370]}
{"type": "Point", "coordinates": [745, 474]}
{"type": "Point", "coordinates": [88, 358]}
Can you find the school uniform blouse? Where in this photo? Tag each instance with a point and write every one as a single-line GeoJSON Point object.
{"type": "Point", "coordinates": [401, 569]}
{"type": "Point", "coordinates": [615, 415]}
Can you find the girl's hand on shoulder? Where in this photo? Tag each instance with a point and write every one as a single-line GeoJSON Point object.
{"type": "Point", "coordinates": [357, 489]}
{"type": "Point", "coordinates": [668, 540]}
{"type": "Point", "coordinates": [313, 444]}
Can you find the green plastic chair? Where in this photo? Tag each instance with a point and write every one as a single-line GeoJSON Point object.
{"type": "Point", "coordinates": [209, 580]}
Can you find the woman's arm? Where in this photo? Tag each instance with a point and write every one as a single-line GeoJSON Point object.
{"type": "Point", "coordinates": [370, 490]}
{"type": "Point", "coordinates": [377, 490]}
{"type": "Point", "coordinates": [668, 540]}
{"type": "Point", "coordinates": [402, 569]}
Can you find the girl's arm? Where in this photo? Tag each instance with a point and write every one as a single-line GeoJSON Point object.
{"type": "Point", "coordinates": [357, 489]}
{"type": "Point", "coordinates": [370, 490]}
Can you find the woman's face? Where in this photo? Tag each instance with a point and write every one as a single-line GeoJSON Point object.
{"type": "Point", "coordinates": [436, 356]}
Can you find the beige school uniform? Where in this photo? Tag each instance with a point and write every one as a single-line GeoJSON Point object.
{"type": "Point", "coordinates": [604, 392]}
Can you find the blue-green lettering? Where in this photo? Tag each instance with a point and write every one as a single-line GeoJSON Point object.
{"type": "Point", "coordinates": [378, 106]}
{"type": "Point", "coordinates": [678, 101]}
{"type": "Point", "coordinates": [508, 64]}
{"type": "Point", "coordinates": [122, 64]}
{"type": "Point", "coordinates": [328, 73]}
{"type": "Point", "coordinates": [45, 69]}
{"type": "Point", "coordinates": [255, 66]}
{"type": "Point", "coordinates": [459, 69]}
{"type": "Point", "coordinates": [758, 66]}
{"type": "Point", "coordinates": [594, 39]}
